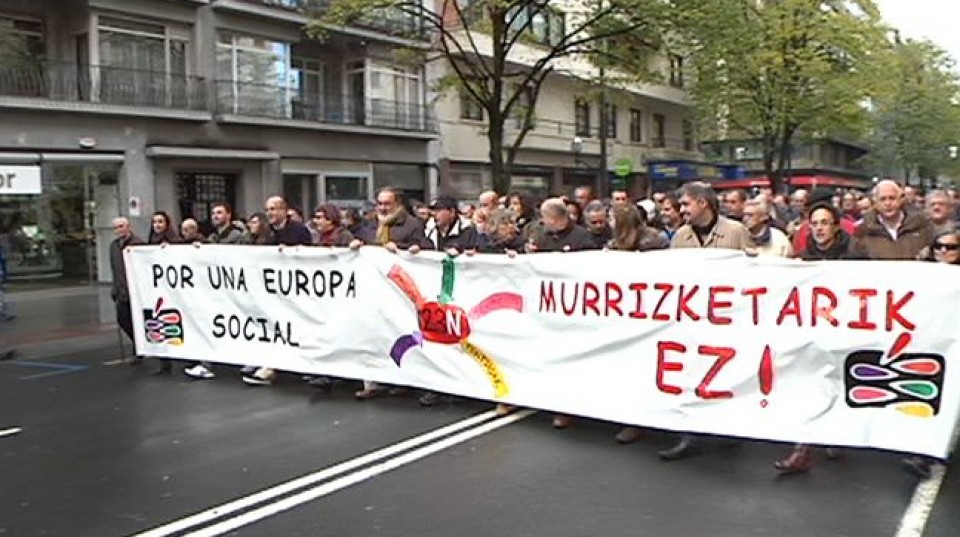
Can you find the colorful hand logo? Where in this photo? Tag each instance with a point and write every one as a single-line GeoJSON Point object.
{"type": "Point", "coordinates": [447, 324]}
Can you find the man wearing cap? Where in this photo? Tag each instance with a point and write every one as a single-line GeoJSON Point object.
{"type": "Point", "coordinates": [447, 230]}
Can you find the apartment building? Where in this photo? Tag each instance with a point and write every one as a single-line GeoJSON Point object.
{"type": "Point", "coordinates": [645, 123]}
{"type": "Point", "coordinates": [124, 107]}
{"type": "Point", "coordinates": [820, 162]}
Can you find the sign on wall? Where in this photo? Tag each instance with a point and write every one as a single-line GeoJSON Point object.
{"type": "Point", "coordinates": [837, 353]}
{"type": "Point", "coordinates": [20, 180]}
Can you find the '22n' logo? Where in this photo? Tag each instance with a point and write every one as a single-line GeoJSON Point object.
{"type": "Point", "coordinates": [163, 326]}
{"type": "Point", "coordinates": [909, 382]}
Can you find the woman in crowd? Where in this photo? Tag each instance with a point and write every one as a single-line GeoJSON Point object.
{"type": "Point", "coordinates": [827, 241]}
{"type": "Point", "coordinates": [353, 220]}
{"type": "Point", "coordinates": [575, 211]}
{"type": "Point", "coordinates": [502, 234]}
{"type": "Point", "coordinates": [330, 231]}
{"type": "Point", "coordinates": [162, 231]}
{"type": "Point", "coordinates": [631, 234]}
{"type": "Point", "coordinates": [481, 216]}
{"type": "Point", "coordinates": [259, 229]}
{"type": "Point", "coordinates": [945, 249]}
{"type": "Point", "coordinates": [525, 212]}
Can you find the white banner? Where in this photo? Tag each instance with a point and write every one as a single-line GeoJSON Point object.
{"type": "Point", "coordinates": [20, 180]}
{"type": "Point", "coordinates": [852, 353]}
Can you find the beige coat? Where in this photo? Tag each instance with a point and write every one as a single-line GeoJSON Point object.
{"type": "Point", "coordinates": [727, 233]}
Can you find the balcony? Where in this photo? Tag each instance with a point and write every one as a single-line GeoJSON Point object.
{"type": "Point", "coordinates": [387, 20]}
{"type": "Point", "coordinates": [71, 86]}
{"type": "Point", "coordinates": [282, 103]}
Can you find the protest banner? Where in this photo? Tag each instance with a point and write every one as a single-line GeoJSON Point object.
{"type": "Point", "coordinates": [837, 353]}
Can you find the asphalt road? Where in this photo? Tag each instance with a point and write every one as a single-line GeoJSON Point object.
{"type": "Point", "coordinates": [109, 450]}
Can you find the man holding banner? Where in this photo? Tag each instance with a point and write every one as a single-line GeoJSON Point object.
{"type": "Point", "coordinates": [704, 227]}
{"type": "Point", "coordinates": [396, 230]}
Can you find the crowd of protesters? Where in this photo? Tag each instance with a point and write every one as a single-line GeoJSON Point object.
{"type": "Point", "coordinates": [891, 222]}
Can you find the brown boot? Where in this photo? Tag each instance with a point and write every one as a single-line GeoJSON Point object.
{"type": "Point", "coordinates": [629, 435]}
{"type": "Point", "coordinates": [562, 421]}
{"type": "Point", "coordinates": [503, 409]}
{"type": "Point", "coordinates": [798, 462]}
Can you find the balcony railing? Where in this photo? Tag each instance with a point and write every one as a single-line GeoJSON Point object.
{"type": "Point", "coordinates": [104, 84]}
{"type": "Point", "coordinates": [288, 103]}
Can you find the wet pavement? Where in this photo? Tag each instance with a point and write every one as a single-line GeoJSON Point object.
{"type": "Point", "coordinates": [109, 449]}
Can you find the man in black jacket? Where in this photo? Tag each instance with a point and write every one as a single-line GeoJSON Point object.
{"type": "Point", "coordinates": [285, 231]}
{"type": "Point", "coordinates": [120, 291]}
{"type": "Point", "coordinates": [447, 231]}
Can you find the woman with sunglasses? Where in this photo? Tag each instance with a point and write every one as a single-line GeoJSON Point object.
{"type": "Point", "coordinates": [945, 248]}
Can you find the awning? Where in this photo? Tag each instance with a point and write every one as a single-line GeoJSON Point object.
{"type": "Point", "coordinates": [170, 151]}
{"type": "Point", "coordinates": [30, 157]}
{"type": "Point", "coordinates": [806, 181]}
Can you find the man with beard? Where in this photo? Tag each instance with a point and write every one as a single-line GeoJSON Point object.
{"type": "Point", "coordinates": [396, 230]}
{"type": "Point", "coordinates": [703, 228]}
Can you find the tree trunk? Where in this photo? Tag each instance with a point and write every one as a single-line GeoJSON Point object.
{"type": "Point", "coordinates": [499, 170]}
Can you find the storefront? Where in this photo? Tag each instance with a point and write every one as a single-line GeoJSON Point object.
{"type": "Point", "coordinates": [55, 215]}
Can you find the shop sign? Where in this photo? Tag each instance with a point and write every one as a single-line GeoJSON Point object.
{"type": "Point", "coordinates": [20, 180]}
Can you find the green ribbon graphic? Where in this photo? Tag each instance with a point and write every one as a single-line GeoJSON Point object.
{"type": "Point", "coordinates": [449, 276]}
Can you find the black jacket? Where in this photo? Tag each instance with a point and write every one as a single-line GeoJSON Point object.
{"type": "Point", "coordinates": [291, 234]}
{"type": "Point", "coordinates": [572, 239]}
{"type": "Point", "coordinates": [489, 244]}
{"type": "Point", "coordinates": [120, 292]}
{"type": "Point", "coordinates": [843, 248]}
{"type": "Point", "coordinates": [460, 237]}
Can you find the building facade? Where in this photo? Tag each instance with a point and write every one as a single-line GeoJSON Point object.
{"type": "Point", "coordinates": [125, 107]}
{"type": "Point", "coordinates": [644, 122]}
{"type": "Point", "coordinates": [821, 162]}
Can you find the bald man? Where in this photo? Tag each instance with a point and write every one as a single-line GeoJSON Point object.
{"type": "Point", "coordinates": [892, 230]}
{"type": "Point", "coordinates": [488, 200]}
{"type": "Point", "coordinates": [120, 292]}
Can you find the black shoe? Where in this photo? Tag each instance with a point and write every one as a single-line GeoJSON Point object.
{"type": "Point", "coordinates": [166, 368]}
{"type": "Point", "coordinates": [918, 466]}
{"type": "Point", "coordinates": [429, 399]}
{"type": "Point", "coordinates": [686, 447]}
{"type": "Point", "coordinates": [321, 383]}
{"type": "Point", "coordinates": [8, 355]}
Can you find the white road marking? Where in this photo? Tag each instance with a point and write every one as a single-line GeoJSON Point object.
{"type": "Point", "coordinates": [10, 432]}
{"type": "Point", "coordinates": [356, 477]}
{"type": "Point", "coordinates": [921, 505]}
{"type": "Point", "coordinates": [245, 502]}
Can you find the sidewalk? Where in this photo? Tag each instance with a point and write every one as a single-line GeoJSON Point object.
{"type": "Point", "coordinates": [61, 322]}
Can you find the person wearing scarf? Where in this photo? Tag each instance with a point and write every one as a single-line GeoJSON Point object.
{"type": "Point", "coordinates": [330, 231]}
{"type": "Point", "coordinates": [767, 240]}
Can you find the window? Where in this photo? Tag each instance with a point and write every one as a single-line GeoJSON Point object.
{"type": "Point", "coordinates": [469, 107]}
{"type": "Point", "coordinates": [581, 113]}
{"type": "Point", "coordinates": [394, 94]}
{"type": "Point", "coordinates": [636, 125]}
{"type": "Point", "coordinates": [307, 77]}
{"type": "Point", "coordinates": [689, 136]}
{"type": "Point", "coordinates": [524, 107]}
{"type": "Point", "coordinates": [676, 71]}
{"type": "Point", "coordinates": [27, 36]}
{"type": "Point", "coordinates": [198, 191]}
{"type": "Point", "coordinates": [611, 120]}
{"type": "Point", "coordinates": [300, 191]}
{"type": "Point", "coordinates": [254, 75]}
{"type": "Point", "coordinates": [22, 68]}
{"type": "Point", "coordinates": [544, 25]}
{"type": "Point", "coordinates": [143, 63]}
{"type": "Point", "coordinates": [659, 130]}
